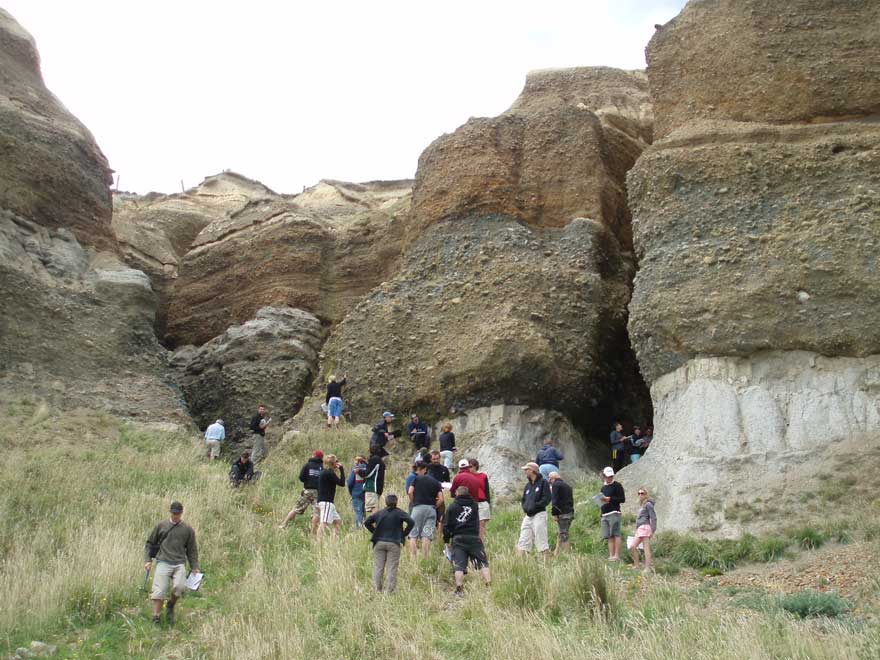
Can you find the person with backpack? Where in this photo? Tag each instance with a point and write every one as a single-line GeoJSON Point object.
{"type": "Point", "coordinates": [646, 527]}
{"type": "Point", "coordinates": [309, 475]}
{"type": "Point", "coordinates": [355, 486]}
{"type": "Point", "coordinates": [462, 528]}
{"type": "Point", "coordinates": [374, 480]}
{"type": "Point", "coordinates": [388, 529]}
{"type": "Point", "coordinates": [327, 483]}
{"type": "Point", "coordinates": [172, 543]}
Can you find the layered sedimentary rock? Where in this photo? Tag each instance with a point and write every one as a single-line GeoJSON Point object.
{"type": "Point", "coordinates": [781, 62]}
{"type": "Point", "coordinates": [561, 151]}
{"type": "Point", "coordinates": [155, 231]}
{"type": "Point", "coordinates": [514, 284]}
{"type": "Point", "coordinates": [757, 245]}
{"type": "Point", "coordinates": [52, 171]}
{"type": "Point", "coordinates": [269, 360]}
{"type": "Point", "coordinates": [319, 251]}
{"type": "Point", "coordinates": [76, 327]}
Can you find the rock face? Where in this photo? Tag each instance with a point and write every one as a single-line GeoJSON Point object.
{"type": "Point", "coordinates": [504, 438]}
{"type": "Point", "coordinates": [747, 60]}
{"type": "Point", "coordinates": [77, 327]}
{"type": "Point", "coordinates": [319, 251]}
{"type": "Point", "coordinates": [52, 171]}
{"type": "Point", "coordinates": [156, 231]}
{"type": "Point", "coordinates": [271, 359]}
{"type": "Point", "coordinates": [508, 293]}
{"type": "Point", "coordinates": [560, 152]}
{"type": "Point", "coordinates": [757, 246]}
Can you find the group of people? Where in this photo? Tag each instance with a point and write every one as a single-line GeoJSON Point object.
{"type": "Point", "coordinates": [626, 449]}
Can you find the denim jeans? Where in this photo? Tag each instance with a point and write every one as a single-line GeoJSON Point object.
{"type": "Point", "coordinates": [357, 503]}
{"type": "Point", "coordinates": [446, 458]}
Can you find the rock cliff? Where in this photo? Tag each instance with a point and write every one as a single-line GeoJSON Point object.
{"type": "Point", "coordinates": [754, 309]}
{"type": "Point", "coordinates": [515, 280]}
{"type": "Point", "coordinates": [319, 251]}
{"type": "Point", "coordinates": [52, 171]}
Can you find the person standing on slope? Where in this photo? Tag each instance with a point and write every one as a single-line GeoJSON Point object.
{"type": "Point", "coordinates": [309, 475]}
{"type": "Point", "coordinates": [259, 422]}
{"type": "Point", "coordinates": [374, 480]}
{"type": "Point", "coordinates": [562, 510]}
{"type": "Point", "coordinates": [462, 528]}
{"type": "Point", "coordinates": [612, 497]}
{"type": "Point", "coordinates": [355, 485]}
{"type": "Point", "coordinates": [483, 497]}
{"type": "Point", "coordinates": [388, 528]}
{"type": "Point", "coordinates": [327, 483]}
{"type": "Point", "coordinates": [535, 498]}
{"type": "Point", "coordinates": [548, 458]}
{"type": "Point", "coordinates": [172, 543]}
{"type": "Point", "coordinates": [214, 435]}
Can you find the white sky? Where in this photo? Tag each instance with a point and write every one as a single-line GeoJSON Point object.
{"type": "Point", "coordinates": [290, 92]}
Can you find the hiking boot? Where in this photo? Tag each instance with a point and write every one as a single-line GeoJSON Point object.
{"type": "Point", "coordinates": [459, 591]}
{"type": "Point", "coordinates": [169, 614]}
{"type": "Point", "coordinates": [157, 621]}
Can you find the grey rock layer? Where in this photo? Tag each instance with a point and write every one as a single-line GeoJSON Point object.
{"type": "Point", "coordinates": [732, 430]}
{"type": "Point", "coordinates": [270, 359]}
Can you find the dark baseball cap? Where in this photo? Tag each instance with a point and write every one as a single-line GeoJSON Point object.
{"type": "Point", "coordinates": [176, 507]}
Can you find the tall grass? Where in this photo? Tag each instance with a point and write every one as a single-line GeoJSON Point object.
{"type": "Point", "coordinates": [76, 511]}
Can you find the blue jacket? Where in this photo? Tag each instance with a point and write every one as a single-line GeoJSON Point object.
{"type": "Point", "coordinates": [549, 454]}
{"type": "Point", "coordinates": [355, 481]}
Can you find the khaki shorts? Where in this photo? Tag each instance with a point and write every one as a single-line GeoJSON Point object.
{"type": "Point", "coordinates": [173, 575]}
{"type": "Point", "coordinates": [213, 447]}
{"type": "Point", "coordinates": [533, 533]}
{"type": "Point", "coordinates": [371, 502]}
{"type": "Point", "coordinates": [327, 513]}
{"type": "Point", "coordinates": [306, 499]}
{"type": "Point", "coordinates": [485, 511]}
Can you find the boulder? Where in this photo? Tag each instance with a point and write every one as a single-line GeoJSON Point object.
{"type": "Point", "coordinates": [799, 61]}
{"type": "Point", "coordinates": [53, 173]}
{"type": "Point", "coordinates": [753, 313]}
{"type": "Point", "coordinates": [270, 359]}
{"type": "Point", "coordinates": [319, 251]}
{"type": "Point", "coordinates": [560, 152]}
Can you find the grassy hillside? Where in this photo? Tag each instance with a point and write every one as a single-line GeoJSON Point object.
{"type": "Point", "coordinates": [82, 490]}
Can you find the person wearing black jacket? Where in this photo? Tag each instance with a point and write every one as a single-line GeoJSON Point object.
{"type": "Point", "coordinates": [562, 510]}
{"type": "Point", "coordinates": [535, 498]}
{"type": "Point", "coordinates": [258, 425]}
{"type": "Point", "coordinates": [462, 527]}
{"type": "Point", "coordinates": [388, 528]}
{"type": "Point", "coordinates": [441, 473]}
{"type": "Point", "coordinates": [309, 475]}
{"type": "Point", "coordinates": [383, 432]}
{"type": "Point", "coordinates": [612, 497]}
{"type": "Point", "coordinates": [327, 484]}
{"type": "Point", "coordinates": [242, 470]}
{"type": "Point", "coordinates": [374, 480]}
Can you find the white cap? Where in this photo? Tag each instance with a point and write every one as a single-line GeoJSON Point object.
{"type": "Point", "coordinates": [608, 472]}
{"type": "Point", "coordinates": [463, 463]}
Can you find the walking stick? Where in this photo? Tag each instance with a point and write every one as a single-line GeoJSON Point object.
{"type": "Point", "coordinates": [146, 577]}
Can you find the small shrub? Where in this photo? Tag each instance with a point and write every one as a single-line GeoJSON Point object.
{"type": "Point", "coordinates": [769, 549]}
{"type": "Point", "coordinates": [808, 538]}
{"type": "Point", "coordinates": [840, 532]}
{"type": "Point", "coordinates": [711, 571]}
{"type": "Point", "coordinates": [667, 568]}
{"type": "Point", "coordinates": [815, 603]}
{"type": "Point", "coordinates": [872, 532]}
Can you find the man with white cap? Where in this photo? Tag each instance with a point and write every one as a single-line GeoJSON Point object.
{"type": "Point", "coordinates": [612, 497]}
{"type": "Point", "coordinates": [214, 435]}
{"type": "Point", "coordinates": [535, 498]}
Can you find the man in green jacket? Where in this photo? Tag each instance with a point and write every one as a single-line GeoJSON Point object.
{"type": "Point", "coordinates": [172, 543]}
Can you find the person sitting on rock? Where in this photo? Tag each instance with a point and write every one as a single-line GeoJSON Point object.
{"type": "Point", "coordinates": [418, 432]}
{"type": "Point", "coordinates": [334, 401]}
{"type": "Point", "coordinates": [242, 470]}
{"type": "Point", "coordinates": [548, 458]}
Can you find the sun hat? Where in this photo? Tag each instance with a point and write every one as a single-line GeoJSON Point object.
{"type": "Point", "coordinates": [531, 466]}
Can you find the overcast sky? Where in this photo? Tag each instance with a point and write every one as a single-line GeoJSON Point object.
{"type": "Point", "coordinates": [293, 92]}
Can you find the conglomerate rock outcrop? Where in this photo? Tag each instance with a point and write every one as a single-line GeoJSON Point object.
{"type": "Point", "coordinates": [269, 360]}
{"type": "Point", "coordinates": [515, 280]}
{"type": "Point", "coordinates": [755, 303]}
{"type": "Point", "coordinates": [52, 171]}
